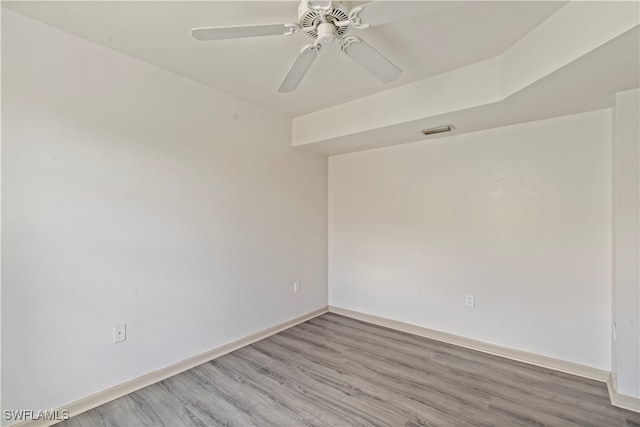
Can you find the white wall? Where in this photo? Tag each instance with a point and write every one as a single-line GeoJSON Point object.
{"type": "Point", "coordinates": [626, 243]}
{"type": "Point", "coordinates": [517, 216]}
{"type": "Point", "coordinates": [131, 195]}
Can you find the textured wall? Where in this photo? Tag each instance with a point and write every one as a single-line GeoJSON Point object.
{"type": "Point", "coordinates": [517, 216]}
{"type": "Point", "coordinates": [131, 195]}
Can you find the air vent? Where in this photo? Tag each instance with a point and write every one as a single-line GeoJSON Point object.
{"type": "Point", "coordinates": [439, 129]}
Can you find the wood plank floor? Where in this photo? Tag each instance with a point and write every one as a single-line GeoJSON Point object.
{"type": "Point", "coordinates": [336, 371]}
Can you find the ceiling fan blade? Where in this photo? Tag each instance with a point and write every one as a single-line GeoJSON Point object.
{"type": "Point", "coordinates": [299, 68]}
{"type": "Point", "coordinates": [370, 59]}
{"type": "Point", "coordinates": [383, 11]}
{"type": "Point", "coordinates": [221, 33]}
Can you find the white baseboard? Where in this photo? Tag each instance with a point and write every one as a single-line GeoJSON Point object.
{"type": "Point", "coordinates": [619, 400]}
{"type": "Point", "coordinates": [509, 353]}
{"type": "Point", "coordinates": [112, 393]}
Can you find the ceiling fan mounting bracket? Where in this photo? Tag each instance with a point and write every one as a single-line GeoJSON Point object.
{"type": "Point", "coordinates": [354, 19]}
{"type": "Point", "coordinates": [348, 41]}
{"type": "Point", "coordinates": [292, 29]}
{"type": "Point", "coordinates": [317, 47]}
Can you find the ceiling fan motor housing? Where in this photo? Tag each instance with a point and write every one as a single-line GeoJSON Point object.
{"type": "Point", "coordinates": [308, 17]}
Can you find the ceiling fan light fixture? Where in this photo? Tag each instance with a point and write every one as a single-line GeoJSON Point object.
{"type": "Point", "coordinates": [438, 129]}
{"type": "Point", "coordinates": [326, 33]}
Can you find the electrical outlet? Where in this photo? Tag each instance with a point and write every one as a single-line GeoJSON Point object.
{"type": "Point", "coordinates": [296, 286]}
{"type": "Point", "coordinates": [417, 292]}
{"type": "Point", "coordinates": [470, 301]}
{"type": "Point", "coordinates": [119, 333]}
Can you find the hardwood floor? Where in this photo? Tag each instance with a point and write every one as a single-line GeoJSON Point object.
{"type": "Point", "coordinates": [336, 371]}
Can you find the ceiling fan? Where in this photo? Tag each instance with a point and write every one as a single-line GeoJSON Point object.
{"type": "Point", "coordinates": [326, 23]}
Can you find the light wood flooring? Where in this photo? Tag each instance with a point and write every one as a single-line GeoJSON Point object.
{"type": "Point", "coordinates": [336, 371]}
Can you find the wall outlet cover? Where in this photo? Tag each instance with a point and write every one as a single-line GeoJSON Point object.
{"type": "Point", "coordinates": [119, 333]}
{"type": "Point", "coordinates": [470, 301]}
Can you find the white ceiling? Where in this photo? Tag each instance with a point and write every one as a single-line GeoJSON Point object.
{"type": "Point", "coordinates": [157, 32]}
{"type": "Point", "coordinates": [586, 84]}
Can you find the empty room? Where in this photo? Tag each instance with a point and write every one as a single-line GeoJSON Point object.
{"type": "Point", "coordinates": [314, 213]}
